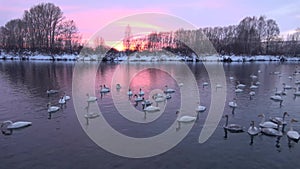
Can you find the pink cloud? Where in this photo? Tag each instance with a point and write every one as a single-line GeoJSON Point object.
{"type": "Point", "coordinates": [90, 21]}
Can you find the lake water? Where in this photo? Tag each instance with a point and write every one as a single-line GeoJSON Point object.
{"type": "Point", "coordinates": [61, 140]}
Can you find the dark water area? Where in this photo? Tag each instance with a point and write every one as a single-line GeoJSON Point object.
{"type": "Point", "coordinates": [60, 142]}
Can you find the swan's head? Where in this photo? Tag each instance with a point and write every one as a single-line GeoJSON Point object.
{"type": "Point", "coordinates": [252, 123]}
{"type": "Point", "coordinates": [261, 115]}
{"type": "Point", "coordinates": [48, 104]}
{"type": "Point", "coordinates": [6, 122]}
{"type": "Point", "coordinates": [177, 112]}
{"type": "Point", "coordinates": [225, 116]}
{"type": "Point", "coordinates": [286, 114]}
{"type": "Point", "coordinates": [87, 95]}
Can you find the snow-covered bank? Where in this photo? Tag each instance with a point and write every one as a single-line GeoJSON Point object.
{"type": "Point", "coordinates": [151, 58]}
{"type": "Point", "coordinates": [39, 57]}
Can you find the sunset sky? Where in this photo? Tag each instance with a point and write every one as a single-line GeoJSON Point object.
{"type": "Point", "coordinates": [90, 16]}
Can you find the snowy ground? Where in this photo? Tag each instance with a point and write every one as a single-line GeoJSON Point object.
{"type": "Point", "coordinates": [150, 58]}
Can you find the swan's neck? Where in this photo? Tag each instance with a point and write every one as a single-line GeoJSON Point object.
{"type": "Point", "coordinates": [262, 119]}
{"type": "Point", "coordinates": [226, 123]}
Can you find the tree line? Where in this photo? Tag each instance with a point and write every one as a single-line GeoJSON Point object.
{"type": "Point", "coordinates": [43, 29]}
{"type": "Point", "coordinates": [252, 36]}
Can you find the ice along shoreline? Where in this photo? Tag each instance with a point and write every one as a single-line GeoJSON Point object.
{"type": "Point", "coordinates": [152, 58]}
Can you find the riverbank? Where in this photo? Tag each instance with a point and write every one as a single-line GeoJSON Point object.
{"type": "Point", "coordinates": [152, 58]}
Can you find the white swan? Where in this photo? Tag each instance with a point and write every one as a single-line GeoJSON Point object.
{"type": "Point", "coordinates": [52, 109]}
{"type": "Point", "coordinates": [286, 86]}
{"type": "Point", "coordinates": [138, 98]}
{"type": "Point", "coordinates": [253, 86]}
{"type": "Point", "coordinates": [180, 84]}
{"type": "Point", "coordinates": [159, 97]}
{"type": "Point", "coordinates": [90, 115]}
{"type": "Point", "coordinates": [200, 108]}
{"type": "Point", "coordinates": [279, 92]}
{"type": "Point", "coordinates": [291, 134]}
{"type": "Point", "coordinates": [266, 124]}
{"type": "Point", "coordinates": [15, 125]}
{"type": "Point", "coordinates": [251, 93]}
{"type": "Point", "coordinates": [168, 90]}
{"type": "Point", "coordinates": [218, 86]}
{"type": "Point", "coordinates": [240, 85]}
{"type": "Point", "coordinates": [234, 128]}
{"type": "Point", "coordinates": [231, 78]}
{"type": "Point", "coordinates": [276, 98]}
{"type": "Point", "coordinates": [146, 103]}
{"type": "Point", "coordinates": [238, 90]}
{"type": "Point", "coordinates": [62, 100]}
{"type": "Point", "coordinates": [185, 119]}
{"type": "Point", "coordinates": [129, 93]}
{"type": "Point", "coordinates": [297, 82]}
{"type": "Point", "coordinates": [252, 131]}
{"type": "Point", "coordinates": [118, 86]}
{"type": "Point", "coordinates": [168, 96]}
{"type": "Point", "coordinates": [297, 92]}
{"type": "Point", "coordinates": [232, 104]}
{"type": "Point", "coordinates": [104, 89]}
{"type": "Point", "coordinates": [51, 91]}
{"type": "Point", "coordinates": [257, 83]}
{"type": "Point", "coordinates": [204, 84]}
{"type": "Point", "coordinates": [141, 92]}
{"type": "Point", "coordinates": [151, 109]}
{"type": "Point", "coordinates": [91, 98]}
{"type": "Point", "coordinates": [66, 98]}
{"type": "Point", "coordinates": [279, 119]}
{"type": "Point", "coordinates": [253, 76]}
{"type": "Point", "coordinates": [271, 132]}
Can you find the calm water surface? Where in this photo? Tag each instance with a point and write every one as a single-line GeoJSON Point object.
{"type": "Point", "coordinates": [60, 142]}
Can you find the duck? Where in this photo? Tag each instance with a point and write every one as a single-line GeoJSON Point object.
{"type": "Point", "coordinates": [91, 98]}
{"type": "Point", "coordinates": [104, 89]}
{"type": "Point", "coordinates": [185, 119]}
{"type": "Point", "coordinates": [168, 90]}
{"type": "Point", "coordinates": [151, 109]}
{"type": "Point", "coordinates": [234, 128]}
{"type": "Point", "coordinates": [292, 134]}
{"type": "Point", "coordinates": [52, 109]}
{"type": "Point", "coordinates": [279, 119]}
{"type": "Point", "coordinates": [253, 131]}
{"type": "Point", "coordinates": [266, 124]}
